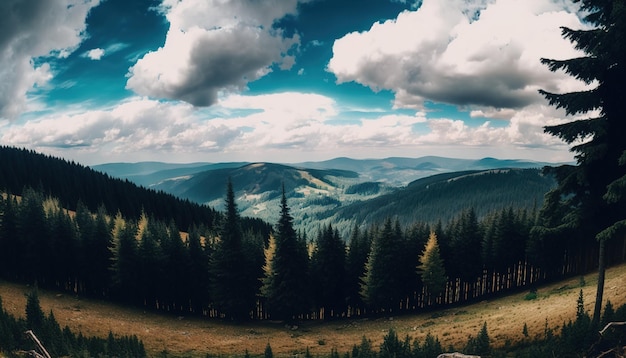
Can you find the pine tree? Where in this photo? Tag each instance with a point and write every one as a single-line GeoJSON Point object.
{"type": "Point", "coordinates": [9, 240]}
{"type": "Point", "coordinates": [198, 277]}
{"type": "Point", "coordinates": [328, 271]}
{"type": "Point", "coordinates": [594, 190]}
{"type": "Point", "coordinates": [431, 268]}
{"type": "Point", "coordinates": [356, 258]}
{"type": "Point", "coordinates": [228, 266]}
{"type": "Point", "coordinates": [286, 282]}
{"type": "Point", "coordinates": [125, 255]}
{"type": "Point", "coordinates": [382, 287]}
{"type": "Point", "coordinates": [466, 247]}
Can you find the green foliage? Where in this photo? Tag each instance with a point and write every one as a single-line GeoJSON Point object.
{"type": "Point", "coordinates": [532, 295]}
{"type": "Point", "coordinates": [286, 289]}
{"type": "Point", "coordinates": [60, 342]}
{"type": "Point", "coordinates": [268, 351]}
{"type": "Point", "coordinates": [479, 345]}
{"type": "Point", "coordinates": [230, 267]}
{"type": "Point", "coordinates": [363, 350]}
{"type": "Point", "coordinates": [431, 267]}
{"type": "Point", "coordinates": [392, 347]}
{"type": "Point", "coordinates": [328, 265]}
{"type": "Point", "coordinates": [590, 196]}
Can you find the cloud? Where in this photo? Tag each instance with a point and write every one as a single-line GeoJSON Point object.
{"type": "Point", "coordinates": [259, 127]}
{"type": "Point", "coordinates": [30, 30]}
{"type": "Point", "coordinates": [95, 54]}
{"type": "Point", "coordinates": [479, 54]}
{"type": "Point", "coordinates": [215, 46]}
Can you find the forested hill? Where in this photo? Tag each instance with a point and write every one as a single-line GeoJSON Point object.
{"type": "Point", "coordinates": [443, 196]}
{"type": "Point", "coordinates": [72, 183]}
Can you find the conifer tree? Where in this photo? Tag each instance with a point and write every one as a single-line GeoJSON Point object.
{"type": "Point", "coordinates": [356, 258]}
{"type": "Point", "coordinates": [431, 268]}
{"type": "Point", "coordinates": [328, 271]}
{"type": "Point", "coordinates": [382, 286]}
{"type": "Point", "coordinates": [199, 276]}
{"type": "Point", "coordinates": [286, 289]}
{"type": "Point", "coordinates": [593, 191]}
{"type": "Point", "coordinates": [125, 255]}
{"type": "Point", "coordinates": [230, 288]}
{"type": "Point", "coordinates": [466, 245]}
{"type": "Point", "coordinates": [9, 241]}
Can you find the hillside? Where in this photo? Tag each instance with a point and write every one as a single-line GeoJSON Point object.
{"type": "Point", "coordinates": [345, 191]}
{"type": "Point", "coordinates": [505, 318]}
{"type": "Point", "coordinates": [442, 196]}
{"type": "Point", "coordinates": [72, 183]}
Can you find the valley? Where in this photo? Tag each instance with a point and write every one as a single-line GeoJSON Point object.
{"type": "Point", "coordinates": [195, 337]}
{"type": "Point", "coordinates": [346, 192]}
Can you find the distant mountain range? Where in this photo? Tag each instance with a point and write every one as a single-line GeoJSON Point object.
{"type": "Point", "coordinates": [346, 191]}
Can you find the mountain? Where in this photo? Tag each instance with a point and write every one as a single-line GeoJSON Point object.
{"type": "Point", "coordinates": [345, 191]}
{"type": "Point", "coordinates": [443, 196]}
{"type": "Point", "coordinates": [149, 173]}
{"type": "Point", "coordinates": [72, 183]}
{"type": "Point", "coordinates": [399, 171]}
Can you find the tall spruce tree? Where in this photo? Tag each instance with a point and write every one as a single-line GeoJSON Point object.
{"type": "Point", "coordinates": [431, 268]}
{"type": "Point", "coordinates": [382, 287]}
{"type": "Point", "coordinates": [594, 191]}
{"type": "Point", "coordinates": [228, 266]}
{"type": "Point", "coordinates": [286, 277]}
{"type": "Point", "coordinates": [328, 272]}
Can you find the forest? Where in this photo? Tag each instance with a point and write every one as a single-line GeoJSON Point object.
{"type": "Point", "coordinates": [223, 269]}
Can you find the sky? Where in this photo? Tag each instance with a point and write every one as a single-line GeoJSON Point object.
{"type": "Point", "coordinates": [101, 81]}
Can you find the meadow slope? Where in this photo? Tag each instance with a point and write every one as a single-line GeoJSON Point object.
{"type": "Point", "coordinates": [505, 317]}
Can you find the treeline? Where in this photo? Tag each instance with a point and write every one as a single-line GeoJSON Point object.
{"type": "Point", "coordinates": [443, 196]}
{"type": "Point", "coordinates": [72, 183]}
{"type": "Point", "coordinates": [234, 272]}
{"type": "Point", "coordinates": [59, 342]}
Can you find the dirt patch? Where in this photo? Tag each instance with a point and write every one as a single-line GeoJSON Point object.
{"type": "Point", "coordinates": [505, 317]}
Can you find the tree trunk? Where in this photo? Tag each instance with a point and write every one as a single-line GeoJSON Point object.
{"type": "Point", "coordinates": [597, 311]}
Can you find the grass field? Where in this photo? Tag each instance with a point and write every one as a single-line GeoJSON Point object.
{"type": "Point", "coordinates": [505, 317]}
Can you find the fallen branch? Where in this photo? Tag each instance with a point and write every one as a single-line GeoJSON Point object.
{"type": "Point", "coordinates": [612, 324]}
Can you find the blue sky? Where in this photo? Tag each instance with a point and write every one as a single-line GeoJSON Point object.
{"type": "Point", "coordinates": [282, 80]}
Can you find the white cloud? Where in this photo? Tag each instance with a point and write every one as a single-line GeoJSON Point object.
{"type": "Point", "coordinates": [94, 54]}
{"type": "Point", "coordinates": [479, 54]}
{"type": "Point", "coordinates": [33, 29]}
{"type": "Point", "coordinates": [262, 127]}
{"type": "Point", "coordinates": [214, 46]}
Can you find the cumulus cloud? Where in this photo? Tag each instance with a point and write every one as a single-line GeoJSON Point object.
{"type": "Point", "coordinates": [254, 127]}
{"type": "Point", "coordinates": [479, 54]}
{"type": "Point", "coordinates": [215, 46]}
{"type": "Point", "coordinates": [30, 30]}
{"type": "Point", "coordinates": [94, 54]}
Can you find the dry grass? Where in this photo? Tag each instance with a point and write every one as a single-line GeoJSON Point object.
{"type": "Point", "coordinates": [505, 319]}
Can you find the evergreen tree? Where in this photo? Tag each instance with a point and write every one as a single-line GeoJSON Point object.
{"type": "Point", "coordinates": [328, 271]}
{"type": "Point", "coordinates": [286, 289]}
{"type": "Point", "coordinates": [466, 245]}
{"type": "Point", "coordinates": [230, 285]}
{"type": "Point", "coordinates": [594, 191]}
{"type": "Point", "coordinates": [10, 250]}
{"type": "Point", "coordinates": [431, 268]}
{"type": "Point", "coordinates": [151, 261]}
{"type": "Point", "coordinates": [356, 258]}
{"type": "Point", "coordinates": [35, 317]}
{"type": "Point", "coordinates": [199, 277]}
{"type": "Point", "coordinates": [382, 286]}
{"type": "Point", "coordinates": [33, 235]}
{"type": "Point", "coordinates": [124, 270]}
{"type": "Point", "coordinates": [64, 248]}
